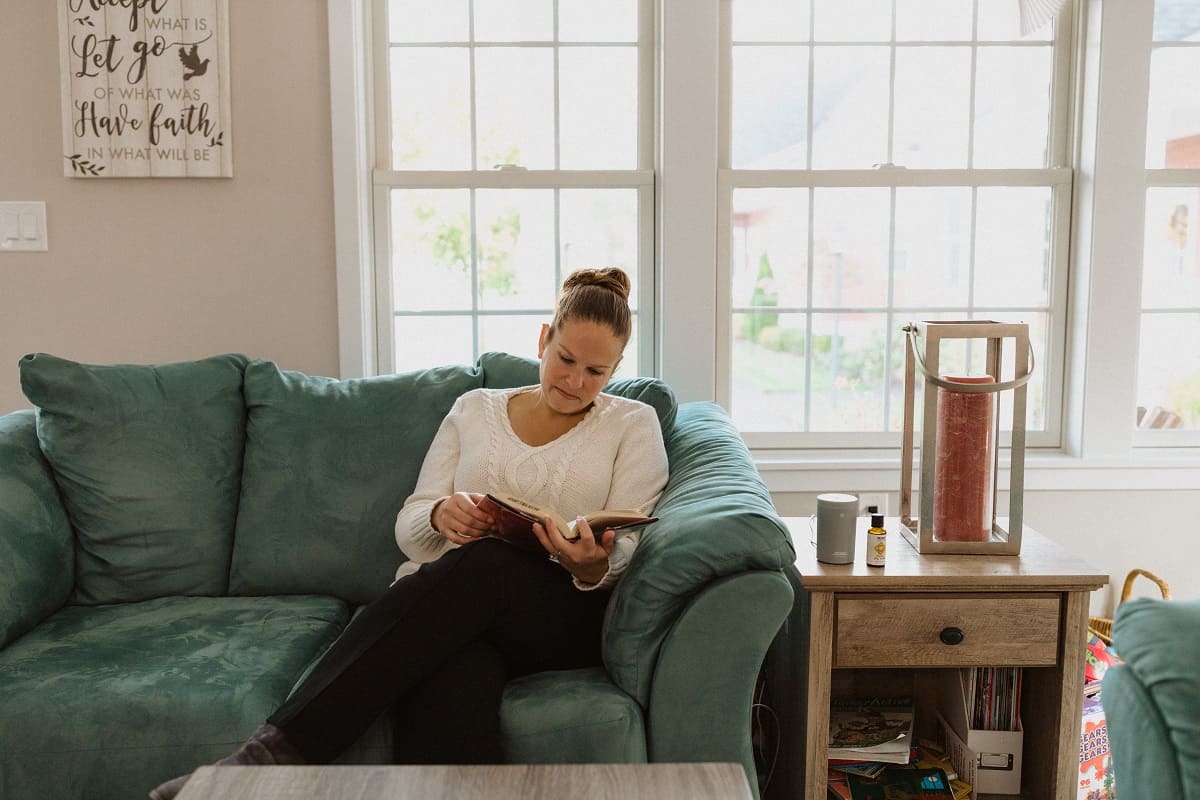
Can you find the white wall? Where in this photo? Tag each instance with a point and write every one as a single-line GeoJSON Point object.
{"type": "Point", "coordinates": [161, 270]}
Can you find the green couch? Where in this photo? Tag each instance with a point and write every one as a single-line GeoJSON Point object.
{"type": "Point", "coordinates": [179, 543]}
{"type": "Point", "coordinates": [1152, 699]}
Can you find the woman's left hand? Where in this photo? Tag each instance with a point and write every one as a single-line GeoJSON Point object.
{"type": "Point", "coordinates": [586, 557]}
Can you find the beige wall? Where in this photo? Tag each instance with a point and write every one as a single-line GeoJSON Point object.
{"type": "Point", "coordinates": [143, 270]}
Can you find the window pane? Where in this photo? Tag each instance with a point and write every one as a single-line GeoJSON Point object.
{"type": "Point", "coordinates": [515, 235]}
{"type": "Point", "coordinates": [510, 333]}
{"type": "Point", "coordinates": [423, 342]}
{"type": "Point", "coordinates": [933, 247]}
{"type": "Point", "coordinates": [1000, 21]}
{"type": "Point", "coordinates": [1012, 106]}
{"type": "Point", "coordinates": [1176, 20]}
{"type": "Point", "coordinates": [769, 248]}
{"type": "Point", "coordinates": [599, 229]}
{"type": "Point", "coordinates": [768, 371]}
{"type": "Point", "coordinates": [589, 21]}
{"type": "Point", "coordinates": [1169, 375]}
{"type": "Point", "coordinates": [847, 372]}
{"type": "Point", "coordinates": [431, 249]}
{"type": "Point", "coordinates": [598, 123]}
{"type": "Point", "coordinates": [1012, 257]}
{"type": "Point", "coordinates": [770, 107]}
{"type": "Point", "coordinates": [932, 100]}
{"type": "Point", "coordinates": [933, 20]}
{"type": "Point", "coordinates": [431, 126]}
{"type": "Point", "coordinates": [515, 106]}
{"type": "Point", "coordinates": [850, 107]}
{"type": "Point", "coordinates": [850, 248]}
{"type": "Point", "coordinates": [513, 20]}
{"type": "Point", "coordinates": [853, 20]}
{"type": "Point", "coordinates": [770, 21]}
{"type": "Point", "coordinates": [1173, 116]}
{"type": "Point", "coordinates": [422, 21]}
{"type": "Point", "coordinates": [1171, 259]}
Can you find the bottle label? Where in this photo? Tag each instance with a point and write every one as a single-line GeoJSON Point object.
{"type": "Point", "coordinates": [876, 548]}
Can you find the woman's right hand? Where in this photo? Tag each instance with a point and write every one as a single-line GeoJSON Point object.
{"type": "Point", "coordinates": [458, 518]}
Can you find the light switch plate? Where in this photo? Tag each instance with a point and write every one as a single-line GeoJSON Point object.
{"type": "Point", "coordinates": [23, 227]}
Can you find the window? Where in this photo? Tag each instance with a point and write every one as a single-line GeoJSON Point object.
{"type": "Point", "coordinates": [513, 145]}
{"type": "Point", "coordinates": [886, 161]}
{"type": "Point", "coordinates": [1168, 375]}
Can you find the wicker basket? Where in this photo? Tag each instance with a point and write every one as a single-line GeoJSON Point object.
{"type": "Point", "coordinates": [1102, 626]}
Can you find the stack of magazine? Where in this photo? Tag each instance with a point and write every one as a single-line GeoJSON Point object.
{"type": "Point", "coordinates": [871, 729]}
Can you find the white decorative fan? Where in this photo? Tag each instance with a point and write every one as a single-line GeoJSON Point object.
{"type": "Point", "coordinates": [1036, 13]}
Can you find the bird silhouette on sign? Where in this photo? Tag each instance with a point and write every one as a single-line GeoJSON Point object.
{"type": "Point", "coordinates": [192, 65]}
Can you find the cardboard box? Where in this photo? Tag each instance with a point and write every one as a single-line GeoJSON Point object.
{"type": "Point", "coordinates": [1095, 755]}
{"type": "Point", "coordinates": [988, 760]}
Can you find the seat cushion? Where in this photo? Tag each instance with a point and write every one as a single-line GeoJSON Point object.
{"type": "Point", "coordinates": [329, 463]}
{"type": "Point", "coordinates": [109, 701]}
{"type": "Point", "coordinates": [571, 717]}
{"type": "Point", "coordinates": [148, 460]}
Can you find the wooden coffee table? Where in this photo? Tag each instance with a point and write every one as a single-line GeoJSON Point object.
{"type": "Point", "coordinates": [494, 782]}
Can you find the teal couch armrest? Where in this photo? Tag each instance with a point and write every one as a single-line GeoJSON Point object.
{"type": "Point", "coordinates": [1152, 700]}
{"type": "Point", "coordinates": [37, 556]}
{"type": "Point", "coordinates": [707, 669]}
{"type": "Point", "coordinates": [716, 520]}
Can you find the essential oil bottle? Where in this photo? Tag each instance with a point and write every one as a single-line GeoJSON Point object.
{"type": "Point", "coordinates": [876, 542]}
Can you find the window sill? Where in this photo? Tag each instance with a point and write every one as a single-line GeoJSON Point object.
{"type": "Point", "coordinates": [1043, 472]}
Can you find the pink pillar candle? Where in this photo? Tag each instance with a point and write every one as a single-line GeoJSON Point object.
{"type": "Point", "coordinates": [964, 463]}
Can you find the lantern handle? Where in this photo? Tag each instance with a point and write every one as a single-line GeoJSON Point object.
{"type": "Point", "coordinates": [970, 388]}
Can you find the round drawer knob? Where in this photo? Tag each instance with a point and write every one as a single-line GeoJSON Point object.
{"type": "Point", "coordinates": [951, 635]}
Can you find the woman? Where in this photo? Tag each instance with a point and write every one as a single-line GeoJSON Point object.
{"type": "Point", "coordinates": [468, 612]}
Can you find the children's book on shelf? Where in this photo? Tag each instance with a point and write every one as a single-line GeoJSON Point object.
{"type": "Point", "coordinates": [515, 516]}
{"type": "Point", "coordinates": [1095, 754]}
{"type": "Point", "coordinates": [871, 729]}
{"type": "Point", "coordinates": [902, 783]}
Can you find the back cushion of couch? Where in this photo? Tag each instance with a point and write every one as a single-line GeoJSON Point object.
{"type": "Point", "coordinates": [328, 465]}
{"type": "Point", "coordinates": [148, 460]}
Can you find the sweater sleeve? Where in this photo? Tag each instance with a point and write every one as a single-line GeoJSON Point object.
{"type": "Point", "coordinates": [414, 531]}
{"type": "Point", "coordinates": [639, 477]}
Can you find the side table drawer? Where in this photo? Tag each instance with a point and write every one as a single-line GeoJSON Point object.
{"type": "Point", "coordinates": [917, 630]}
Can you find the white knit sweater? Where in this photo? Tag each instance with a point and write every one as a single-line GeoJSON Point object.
{"type": "Point", "coordinates": [614, 458]}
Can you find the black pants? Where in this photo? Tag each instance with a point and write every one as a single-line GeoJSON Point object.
{"type": "Point", "coordinates": [437, 648]}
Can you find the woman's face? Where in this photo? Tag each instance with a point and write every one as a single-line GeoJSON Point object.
{"type": "Point", "coordinates": [577, 362]}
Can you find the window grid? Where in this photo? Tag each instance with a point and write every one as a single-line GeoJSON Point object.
{"type": "Point", "coordinates": [387, 178]}
{"type": "Point", "coordinates": [1167, 178]}
{"type": "Point", "coordinates": [1056, 180]}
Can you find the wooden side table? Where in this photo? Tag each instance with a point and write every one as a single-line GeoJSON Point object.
{"type": "Point", "coordinates": [877, 631]}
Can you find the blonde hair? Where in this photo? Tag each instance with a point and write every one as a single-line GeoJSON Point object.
{"type": "Point", "coordinates": [596, 295]}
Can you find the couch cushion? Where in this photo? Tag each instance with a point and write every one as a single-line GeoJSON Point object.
{"type": "Point", "coordinates": [329, 463]}
{"type": "Point", "coordinates": [108, 701]}
{"type": "Point", "coordinates": [502, 371]}
{"type": "Point", "coordinates": [37, 551]}
{"type": "Point", "coordinates": [148, 460]}
{"type": "Point", "coordinates": [571, 717]}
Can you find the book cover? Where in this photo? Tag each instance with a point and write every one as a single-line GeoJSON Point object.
{"type": "Point", "coordinates": [902, 783]}
{"type": "Point", "coordinates": [514, 518]}
{"type": "Point", "coordinates": [871, 729]}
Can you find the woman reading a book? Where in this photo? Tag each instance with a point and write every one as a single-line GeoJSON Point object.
{"type": "Point", "coordinates": [469, 612]}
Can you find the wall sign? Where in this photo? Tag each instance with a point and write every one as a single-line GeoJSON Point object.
{"type": "Point", "coordinates": [145, 87]}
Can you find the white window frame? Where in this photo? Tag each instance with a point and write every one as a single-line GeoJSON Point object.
{"type": "Point", "coordinates": [1111, 69]}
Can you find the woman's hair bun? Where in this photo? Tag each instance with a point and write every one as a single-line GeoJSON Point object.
{"type": "Point", "coordinates": [611, 278]}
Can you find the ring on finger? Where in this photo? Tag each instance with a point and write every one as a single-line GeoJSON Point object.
{"type": "Point", "coordinates": [554, 556]}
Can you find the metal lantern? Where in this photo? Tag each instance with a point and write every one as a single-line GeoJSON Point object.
{"type": "Point", "coordinates": [960, 436]}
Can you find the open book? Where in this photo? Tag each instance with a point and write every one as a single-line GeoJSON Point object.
{"type": "Point", "coordinates": [515, 517]}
